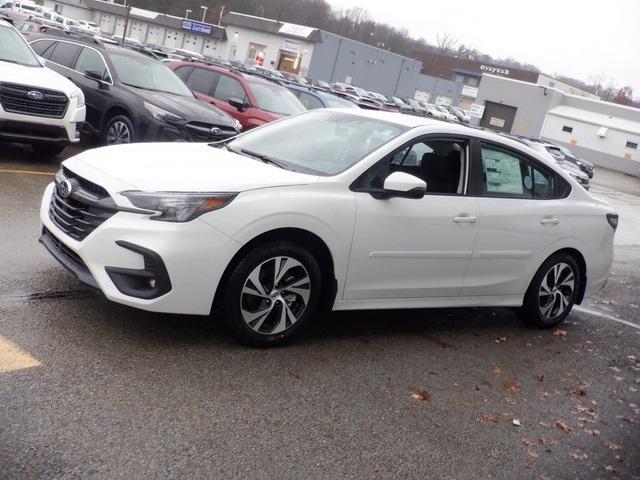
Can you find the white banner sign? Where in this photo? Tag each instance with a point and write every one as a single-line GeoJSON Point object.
{"type": "Point", "coordinates": [476, 110]}
{"type": "Point", "coordinates": [468, 91]}
{"type": "Point", "coordinates": [296, 30]}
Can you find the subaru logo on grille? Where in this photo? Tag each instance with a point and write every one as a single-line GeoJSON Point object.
{"type": "Point", "coordinates": [35, 95]}
{"type": "Point", "coordinates": [215, 131]}
{"type": "Point", "coordinates": [65, 188]}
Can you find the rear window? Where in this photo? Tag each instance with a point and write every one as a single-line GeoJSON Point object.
{"type": "Point", "coordinates": [276, 99]}
{"type": "Point", "coordinates": [65, 54]}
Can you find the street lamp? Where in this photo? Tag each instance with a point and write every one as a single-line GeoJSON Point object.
{"type": "Point", "coordinates": [186, 13]}
{"type": "Point", "coordinates": [204, 13]}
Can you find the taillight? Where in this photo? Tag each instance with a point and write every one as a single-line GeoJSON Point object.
{"type": "Point", "coordinates": [612, 218]}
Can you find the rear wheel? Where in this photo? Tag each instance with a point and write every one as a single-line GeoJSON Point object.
{"type": "Point", "coordinates": [272, 294]}
{"type": "Point", "coordinates": [48, 149]}
{"type": "Point", "coordinates": [552, 292]}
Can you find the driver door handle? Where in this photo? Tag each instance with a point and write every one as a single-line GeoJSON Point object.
{"type": "Point", "coordinates": [465, 219]}
{"type": "Point", "coordinates": [549, 221]}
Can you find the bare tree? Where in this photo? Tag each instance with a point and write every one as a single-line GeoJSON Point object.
{"type": "Point", "coordinates": [446, 42]}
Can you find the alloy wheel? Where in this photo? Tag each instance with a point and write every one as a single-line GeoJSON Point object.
{"type": "Point", "coordinates": [556, 290]}
{"type": "Point", "coordinates": [275, 295]}
{"type": "Point", "coordinates": [118, 133]}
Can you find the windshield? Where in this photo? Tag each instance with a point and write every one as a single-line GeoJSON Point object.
{"type": "Point", "coordinates": [275, 99]}
{"type": "Point", "coordinates": [14, 49]}
{"type": "Point", "coordinates": [140, 72]}
{"type": "Point", "coordinates": [319, 142]}
{"type": "Point", "coordinates": [336, 102]}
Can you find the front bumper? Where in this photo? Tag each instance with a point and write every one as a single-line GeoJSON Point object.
{"type": "Point", "coordinates": [193, 254]}
{"type": "Point", "coordinates": [22, 128]}
{"type": "Point", "coordinates": [159, 131]}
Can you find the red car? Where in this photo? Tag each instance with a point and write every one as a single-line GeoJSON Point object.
{"type": "Point", "coordinates": [252, 100]}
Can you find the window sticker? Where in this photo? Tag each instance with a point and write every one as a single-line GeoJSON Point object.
{"type": "Point", "coordinates": [502, 172]}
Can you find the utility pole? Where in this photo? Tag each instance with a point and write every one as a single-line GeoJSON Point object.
{"type": "Point", "coordinates": [221, 14]}
{"type": "Point", "coordinates": [126, 20]}
{"type": "Point", "coordinates": [204, 13]}
{"type": "Point", "coordinates": [186, 13]}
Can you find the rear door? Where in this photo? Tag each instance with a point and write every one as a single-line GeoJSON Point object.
{"type": "Point", "coordinates": [96, 95]}
{"type": "Point", "coordinates": [521, 215]}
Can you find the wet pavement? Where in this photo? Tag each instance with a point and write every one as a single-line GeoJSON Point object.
{"type": "Point", "coordinates": [453, 394]}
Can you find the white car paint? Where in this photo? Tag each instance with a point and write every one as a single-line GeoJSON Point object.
{"type": "Point", "coordinates": [42, 77]}
{"type": "Point", "coordinates": [437, 251]}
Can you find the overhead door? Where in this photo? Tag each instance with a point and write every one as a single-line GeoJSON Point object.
{"type": "Point", "coordinates": [498, 116]}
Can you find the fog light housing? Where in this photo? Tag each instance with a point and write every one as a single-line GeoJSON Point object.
{"type": "Point", "coordinates": [147, 283]}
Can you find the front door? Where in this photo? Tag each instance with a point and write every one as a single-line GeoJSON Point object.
{"type": "Point", "coordinates": [414, 248]}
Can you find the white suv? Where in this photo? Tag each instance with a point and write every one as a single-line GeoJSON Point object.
{"type": "Point", "coordinates": [37, 105]}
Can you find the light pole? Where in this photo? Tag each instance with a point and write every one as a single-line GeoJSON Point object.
{"type": "Point", "coordinates": [186, 13]}
{"type": "Point", "coordinates": [204, 13]}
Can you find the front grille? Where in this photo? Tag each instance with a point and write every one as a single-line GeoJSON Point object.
{"type": "Point", "coordinates": [32, 130]}
{"type": "Point", "coordinates": [66, 251]}
{"type": "Point", "coordinates": [80, 213]}
{"type": "Point", "coordinates": [15, 98]}
{"type": "Point", "coordinates": [201, 132]}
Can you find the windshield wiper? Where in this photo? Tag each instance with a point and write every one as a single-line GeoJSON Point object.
{"type": "Point", "coordinates": [263, 157]}
{"type": "Point", "coordinates": [149, 89]}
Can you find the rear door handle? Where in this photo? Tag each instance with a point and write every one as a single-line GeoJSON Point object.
{"type": "Point", "coordinates": [549, 221]}
{"type": "Point", "coordinates": [465, 219]}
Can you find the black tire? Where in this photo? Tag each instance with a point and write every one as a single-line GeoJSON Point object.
{"type": "Point", "coordinates": [239, 302]}
{"type": "Point", "coordinates": [48, 149]}
{"type": "Point", "coordinates": [118, 130]}
{"type": "Point", "coordinates": [536, 300]}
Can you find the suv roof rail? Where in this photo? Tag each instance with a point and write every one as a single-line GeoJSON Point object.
{"type": "Point", "coordinates": [80, 35]}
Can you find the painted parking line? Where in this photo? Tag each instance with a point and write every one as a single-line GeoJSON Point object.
{"type": "Point", "coordinates": [596, 313]}
{"type": "Point", "coordinates": [26, 172]}
{"type": "Point", "coordinates": [12, 358]}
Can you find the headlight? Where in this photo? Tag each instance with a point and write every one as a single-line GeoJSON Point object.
{"type": "Point", "coordinates": [160, 114]}
{"type": "Point", "coordinates": [178, 207]}
{"type": "Point", "coordinates": [79, 96]}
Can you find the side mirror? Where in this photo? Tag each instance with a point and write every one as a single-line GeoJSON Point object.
{"type": "Point", "coordinates": [236, 102]}
{"type": "Point", "coordinates": [94, 75]}
{"type": "Point", "coordinates": [401, 184]}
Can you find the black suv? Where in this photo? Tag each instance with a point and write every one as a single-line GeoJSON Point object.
{"type": "Point", "coordinates": [129, 96]}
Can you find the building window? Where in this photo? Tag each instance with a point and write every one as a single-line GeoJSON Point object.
{"type": "Point", "coordinates": [472, 81]}
{"type": "Point", "coordinates": [632, 145]}
{"type": "Point", "coordinates": [567, 129]}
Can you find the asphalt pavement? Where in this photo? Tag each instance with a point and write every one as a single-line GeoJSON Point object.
{"type": "Point", "coordinates": [94, 390]}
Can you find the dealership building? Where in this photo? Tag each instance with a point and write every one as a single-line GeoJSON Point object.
{"type": "Point", "coordinates": [449, 80]}
{"type": "Point", "coordinates": [604, 133]}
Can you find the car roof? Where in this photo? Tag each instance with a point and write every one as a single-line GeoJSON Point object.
{"type": "Point", "coordinates": [88, 40]}
{"type": "Point", "coordinates": [221, 68]}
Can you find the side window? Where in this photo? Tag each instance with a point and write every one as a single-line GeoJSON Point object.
{"type": "Point", "coordinates": [229, 87]}
{"type": "Point", "coordinates": [309, 101]}
{"type": "Point", "coordinates": [183, 72]}
{"type": "Point", "coordinates": [505, 174]}
{"type": "Point", "coordinates": [65, 54]}
{"type": "Point", "coordinates": [543, 183]}
{"type": "Point", "coordinates": [42, 47]}
{"type": "Point", "coordinates": [440, 163]}
{"type": "Point", "coordinates": [202, 80]}
{"type": "Point", "coordinates": [88, 60]}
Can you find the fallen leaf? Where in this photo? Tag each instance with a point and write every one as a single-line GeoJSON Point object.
{"type": "Point", "coordinates": [510, 401]}
{"type": "Point", "coordinates": [500, 340]}
{"type": "Point", "coordinates": [610, 469]}
{"type": "Point", "coordinates": [592, 432]}
{"type": "Point", "coordinates": [486, 383]}
{"type": "Point", "coordinates": [579, 456]}
{"type": "Point", "coordinates": [497, 370]}
{"type": "Point", "coordinates": [612, 446]}
{"type": "Point", "coordinates": [487, 419]}
{"type": "Point", "coordinates": [528, 443]}
{"type": "Point", "coordinates": [563, 426]}
{"type": "Point", "coordinates": [624, 419]}
{"type": "Point", "coordinates": [588, 410]}
{"type": "Point", "coordinates": [528, 344]}
{"type": "Point", "coordinates": [544, 424]}
{"type": "Point", "coordinates": [546, 442]}
{"type": "Point", "coordinates": [532, 454]}
{"type": "Point", "coordinates": [516, 422]}
{"type": "Point", "coordinates": [512, 386]}
{"type": "Point", "coordinates": [580, 391]}
{"type": "Point", "coordinates": [421, 395]}
{"type": "Point", "coordinates": [559, 333]}
{"type": "Point", "coordinates": [540, 377]}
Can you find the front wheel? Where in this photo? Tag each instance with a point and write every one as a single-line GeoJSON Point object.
{"type": "Point", "coordinates": [119, 129]}
{"type": "Point", "coordinates": [272, 293]}
{"type": "Point", "coordinates": [552, 292]}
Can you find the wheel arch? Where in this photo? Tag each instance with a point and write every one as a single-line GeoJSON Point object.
{"type": "Point", "coordinates": [302, 237]}
{"type": "Point", "coordinates": [578, 256]}
{"type": "Point", "coordinates": [112, 112]}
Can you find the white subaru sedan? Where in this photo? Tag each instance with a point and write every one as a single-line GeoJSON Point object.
{"type": "Point", "coordinates": [329, 210]}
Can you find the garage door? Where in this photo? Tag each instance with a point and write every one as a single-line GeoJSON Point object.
{"type": "Point", "coordinates": [498, 116]}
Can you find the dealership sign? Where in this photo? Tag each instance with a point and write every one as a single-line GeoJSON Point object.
{"type": "Point", "coordinates": [197, 27]}
{"type": "Point", "coordinates": [495, 70]}
{"type": "Point", "coordinates": [477, 110]}
{"type": "Point", "coordinates": [468, 91]}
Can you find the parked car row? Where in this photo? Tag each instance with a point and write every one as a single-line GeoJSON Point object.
{"type": "Point", "coordinates": [27, 10]}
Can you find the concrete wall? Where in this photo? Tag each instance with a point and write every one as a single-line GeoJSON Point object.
{"type": "Point", "coordinates": [438, 87]}
{"type": "Point", "coordinates": [564, 87]}
{"type": "Point", "coordinates": [338, 59]}
{"type": "Point", "coordinates": [532, 101]}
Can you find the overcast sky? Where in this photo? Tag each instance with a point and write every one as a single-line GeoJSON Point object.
{"type": "Point", "coordinates": [570, 37]}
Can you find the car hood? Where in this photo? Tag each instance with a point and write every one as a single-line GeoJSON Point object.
{"type": "Point", "coordinates": [37, 77]}
{"type": "Point", "coordinates": [189, 108]}
{"type": "Point", "coordinates": [178, 167]}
